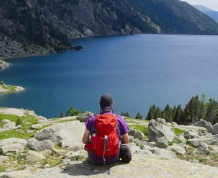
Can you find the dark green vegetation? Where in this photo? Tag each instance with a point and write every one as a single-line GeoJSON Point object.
{"type": "Point", "coordinates": [196, 109]}
{"type": "Point", "coordinates": [41, 27]}
{"type": "Point", "coordinates": [71, 112]}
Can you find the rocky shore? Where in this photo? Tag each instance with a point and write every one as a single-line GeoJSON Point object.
{"type": "Point", "coordinates": [10, 88]}
{"type": "Point", "coordinates": [32, 146]}
{"type": "Point", "coordinates": [3, 64]}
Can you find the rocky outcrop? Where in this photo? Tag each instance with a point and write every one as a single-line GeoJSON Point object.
{"type": "Point", "coordinates": [10, 88]}
{"type": "Point", "coordinates": [157, 130]}
{"type": "Point", "coordinates": [84, 116]}
{"type": "Point", "coordinates": [57, 151]}
{"type": "Point", "coordinates": [67, 134]}
{"type": "Point", "coordinates": [205, 124]}
{"type": "Point", "coordinates": [3, 65]}
{"type": "Point", "coordinates": [136, 134]}
{"type": "Point", "coordinates": [34, 144]}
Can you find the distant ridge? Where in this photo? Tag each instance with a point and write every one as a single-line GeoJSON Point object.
{"type": "Point", "coordinates": [213, 14]}
{"type": "Point", "coordinates": [33, 27]}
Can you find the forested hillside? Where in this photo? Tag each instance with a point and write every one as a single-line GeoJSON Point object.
{"type": "Point", "coordinates": [33, 27]}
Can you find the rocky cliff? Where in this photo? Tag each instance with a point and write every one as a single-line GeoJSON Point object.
{"type": "Point", "coordinates": [34, 27]}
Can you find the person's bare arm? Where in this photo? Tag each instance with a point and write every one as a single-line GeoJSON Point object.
{"type": "Point", "coordinates": [125, 138]}
{"type": "Point", "coordinates": [86, 134]}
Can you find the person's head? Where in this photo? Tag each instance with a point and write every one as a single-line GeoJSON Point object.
{"type": "Point", "coordinates": [106, 102]}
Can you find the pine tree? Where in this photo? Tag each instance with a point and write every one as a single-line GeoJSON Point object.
{"type": "Point", "coordinates": [168, 113]}
{"type": "Point", "coordinates": [151, 113]}
{"type": "Point", "coordinates": [177, 114]}
{"type": "Point", "coordinates": [61, 114]}
{"type": "Point", "coordinates": [212, 111]}
{"type": "Point", "coordinates": [138, 116]}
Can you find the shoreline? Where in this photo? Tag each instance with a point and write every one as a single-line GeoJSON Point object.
{"type": "Point", "coordinates": [4, 64]}
{"type": "Point", "coordinates": [5, 89]}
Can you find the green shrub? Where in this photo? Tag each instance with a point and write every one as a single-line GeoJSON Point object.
{"type": "Point", "coordinates": [178, 131]}
{"type": "Point", "coordinates": [19, 121]}
{"type": "Point", "coordinates": [176, 141]}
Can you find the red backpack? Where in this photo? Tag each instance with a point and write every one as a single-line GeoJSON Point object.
{"type": "Point", "coordinates": [105, 139]}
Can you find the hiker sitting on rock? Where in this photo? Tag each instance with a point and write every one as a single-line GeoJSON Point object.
{"type": "Point", "coordinates": [106, 135]}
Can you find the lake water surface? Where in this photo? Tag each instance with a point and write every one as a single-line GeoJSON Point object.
{"type": "Point", "coordinates": [138, 70]}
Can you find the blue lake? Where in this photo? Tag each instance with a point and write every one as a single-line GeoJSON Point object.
{"type": "Point", "coordinates": [138, 70]}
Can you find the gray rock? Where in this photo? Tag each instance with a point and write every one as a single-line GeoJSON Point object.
{"type": "Point", "coordinates": [84, 116]}
{"type": "Point", "coordinates": [9, 126]}
{"type": "Point", "coordinates": [214, 129]}
{"type": "Point", "coordinates": [9, 141]}
{"type": "Point", "coordinates": [42, 119]}
{"type": "Point", "coordinates": [162, 142]}
{"type": "Point", "coordinates": [16, 174]}
{"type": "Point", "coordinates": [196, 142]}
{"type": "Point", "coordinates": [162, 121]}
{"type": "Point", "coordinates": [18, 127]}
{"type": "Point", "coordinates": [133, 148]}
{"type": "Point", "coordinates": [76, 147]}
{"type": "Point", "coordinates": [181, 138]}
{"type": "Point", "coordinates": [213, 149]}
{"type": "Point", "coordinates": [11, 149]}
{"type": "Point", "coordinates": [75, 155]}
{"type": "Point", "coordinates": [189, 134]}
{"type": "Point", "coordinates": [59, 152]}
{"type": "Point", "coordinates": [205, 124]}
{"type": "Point", "coordinates": [177, 149]}
{"type": "Point", "coordinates": [215, 137]}
{"type": "Point", "coordinates": [203, 145]}
{"type": "Point", "coordinates": [36, 126]}
{"type": "Point", "coordinates": [136, 134]}
{"type": "Point", "coordinates": [46, 152]}
{"type": "Point", "coordinates": [34, 156]}
{"type": "Point", "coordinates": [174, 124]}
{"type": "Point", "coordinates": [165, 153]}
{"type": "Point", "coordinates": [3, 159]}
{"type": "Point", "coordinates": [65, 134]}
{"type": "Point", "coordinates": [34, 144]}
{"type": "Point", "coordinates": [157, 130]}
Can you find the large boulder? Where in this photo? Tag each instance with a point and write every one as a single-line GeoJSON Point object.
{"type": "Point", "coordinates": [205, 124]}
{"type": "Point", "coordinates": [197, 142]}
{"type": "Point", "coordinates": [67, 134]}
{"type": "Point", "coordinates": [136, 134]}
{"type": "Point", "coordinates": [34, 144]}
{"type": "Point", "coordinates": [189, 134]}
{"type": "Point", "coordinates": [162, 142]}
{"type": "Point", "coordinates": [8, 125]}
{"type": "Point", "coordinates": [157, 130]}
{"type": "Point", "coordinates": [12, 146]}
{"type": "Point", "coordinates": [214, 129]}
{"type": "Point", "coordinates": [177, 149]}
{"type": "Point", "coordinates": [84, 116]}
{"type": "Point", "coordinates": [162, 121]}
{"type": "Point", "coordinates": [9, 141]}
{"type": "Point", "coordinates": [11, 149]}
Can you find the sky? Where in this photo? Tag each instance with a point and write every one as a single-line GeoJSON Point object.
{"type": "Point", "coordinates": [211, 4]}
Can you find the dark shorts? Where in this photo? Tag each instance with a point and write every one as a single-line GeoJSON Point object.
{"type": "Point", "coordinates": [124, 154]}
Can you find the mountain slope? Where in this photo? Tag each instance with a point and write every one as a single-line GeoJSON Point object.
{"type": "Point", "coordinates": [33, 27]}
{"type": "Point", "coordinates": [209, 12]}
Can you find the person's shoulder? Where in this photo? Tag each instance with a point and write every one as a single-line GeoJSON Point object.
{"type": "Point", "coordinates": [119, 117]}
{"type": "Point", "coordinates": [92, 117]}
